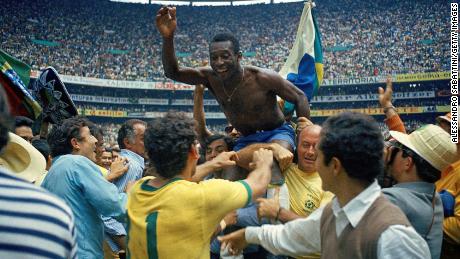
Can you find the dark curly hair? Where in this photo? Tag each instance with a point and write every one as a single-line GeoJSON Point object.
{"type": "Point", "coordinates": [167, 141]}
{"type": "Point", "coordinates": [23, 121]}
{"type": "Point", "coordinates": [6, 121]}
{"type": "Point", "coordinates": [355, 140]}
{"type": "Point", "coordinates": [228, 140]}
{"type": "Point", "coordinates": [60, 136]}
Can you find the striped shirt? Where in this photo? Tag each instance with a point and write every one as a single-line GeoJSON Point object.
{"type": "Point", "coordinates": [33, 222]}
{"type": "Point", "coordinates": [136, 168]}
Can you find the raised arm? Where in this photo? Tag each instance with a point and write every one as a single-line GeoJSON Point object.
{"type": "Point", "coordinates": [224, 159]}
{"type": "Point", "coordinates": [392, 120]}
{"type": "Point", "coordinates": [198, 114]}
{"type": "Point", "coordinates": [288, 92]}
{"type": "Point", "coordinates": [166, 24]}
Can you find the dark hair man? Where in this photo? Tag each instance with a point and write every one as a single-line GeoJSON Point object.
{"type": "Point", "coordinates": [76, 179]}
{"type": "Point", "coordinates": [359, 222]}
{"type": "Point", "coordinates": [131, 141]}
{"type": "Point", "coordinates": [33, 222]}
{"type": "Point", "coordinates": [415, 161]}
{"type": "Point", "coordinates": [246, 94]}
{"type": "Point", "coordinates": [23, 128]}
{"type": "Point", "coordinates": [172, 217]}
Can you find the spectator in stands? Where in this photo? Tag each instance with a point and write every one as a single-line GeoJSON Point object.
{"type": "Point", "coordinates": [360, 38]}
{"type": "Point", "coordinates": [369, 224]}
{"type": "Point", "coordinates": [174, 154]}
{"type": "Point", "coordinates": [23, 128]}
{"type": "Point", "coordinates": [76, 179]}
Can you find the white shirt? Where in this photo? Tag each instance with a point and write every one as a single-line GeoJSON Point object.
{"type": "Point", "coordinates": [302, 236]}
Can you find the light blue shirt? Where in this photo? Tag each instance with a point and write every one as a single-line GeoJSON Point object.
{"type": "Point", "coordinates": [134, 173]}
{"type": "Point", "coordinates": [135, 170]}
{"type": "Point", "coordinates": [79, 182]}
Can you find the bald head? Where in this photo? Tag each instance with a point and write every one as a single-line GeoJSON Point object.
{"type": "Point", "coordinates": [308, 138]}
{"type": "Point", "coordinates": [314, 129]}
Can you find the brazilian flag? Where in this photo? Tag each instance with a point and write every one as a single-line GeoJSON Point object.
{"type": "Point", "coordinates": [14, 77]}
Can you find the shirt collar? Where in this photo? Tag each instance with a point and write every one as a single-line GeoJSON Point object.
{"type": "Point", "coordinates": [356, 208]}
{"type": "Point", "coordinates": [132, 155]}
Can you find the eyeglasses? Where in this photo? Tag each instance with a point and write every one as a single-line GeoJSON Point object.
{"type": "Point", "coordinates": [229, 129]}
{"type": "Point", "coordinates": [395, 147]}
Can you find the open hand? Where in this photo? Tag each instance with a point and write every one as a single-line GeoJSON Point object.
{"type": "Point", "coordinates": [385, 96]}
{"type": "Point", "coordinates": [166, 21]}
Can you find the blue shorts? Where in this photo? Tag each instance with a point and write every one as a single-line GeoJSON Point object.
{"type": "Point", "coordinates": [284, 133]}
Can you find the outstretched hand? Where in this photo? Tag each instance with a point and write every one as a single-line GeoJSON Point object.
{"type": "Point", "coordinates": [235, 242]}
{"type": "Point", "coordinates": [166, 21]}
{"type": "Point", "coordinates": [385, 96]}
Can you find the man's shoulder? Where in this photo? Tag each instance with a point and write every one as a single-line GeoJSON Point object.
{"type": "Point", "coordinates": [260, 73]}
{"type": "Point", "coordinates": [73, 162]}
{"type": "Point", "coordinates": [218, 182]}
{"type": "Point", "coordinates": [396, 193]}
{"type": "Point", "coordinates": [38, 196]}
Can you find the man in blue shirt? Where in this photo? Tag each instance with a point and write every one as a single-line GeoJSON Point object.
{"type": "Point", "coordinates": [78, 181]}
{"type": "Point", "coordinates": [131, 141]}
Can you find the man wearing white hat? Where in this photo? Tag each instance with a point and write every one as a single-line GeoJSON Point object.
{"type": "Point", "coordinates": [33, 223]}
{"type": "Point", "coordinates": [415, 161]}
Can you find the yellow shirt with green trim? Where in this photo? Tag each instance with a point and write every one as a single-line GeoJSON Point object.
{"type": "Point", "coordinates": [305, 194]}
{"type": "Point", "coordinates": [104, 171]}
{"type": "Point", "coordinates": [305, 191]}
{"type": "Point", "coordinates": [450, 181]}
{"type": "Point", "coordinates": [178, 219]}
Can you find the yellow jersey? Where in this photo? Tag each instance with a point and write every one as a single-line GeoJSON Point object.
{"type": "Point", "coordinates": [305, 194]}
{"type": "Point", "coordinates": [450, 181]}
{"type": "Point", "coordinates": [178, 219]}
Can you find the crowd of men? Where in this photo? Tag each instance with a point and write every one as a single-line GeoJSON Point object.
{"type": "Point", "coordinates": [360, 38]}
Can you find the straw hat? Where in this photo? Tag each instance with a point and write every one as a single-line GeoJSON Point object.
{"type": "Point", "coordinates": [447, 118]}
{"type": "Point", "coordinates": [430, 142]}
{"type": "Point", "coordinates": [20, 157]}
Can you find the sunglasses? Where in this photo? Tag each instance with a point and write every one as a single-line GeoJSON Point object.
{"type": "Point", "coordinates": [229, 129]}
{"type": "Point", "coordinates": [395, 147]}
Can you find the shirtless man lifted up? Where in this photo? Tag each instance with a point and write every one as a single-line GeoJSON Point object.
{"type": "Point", "coordinates": [246, 94]}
